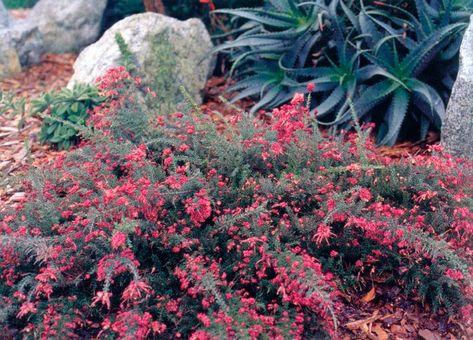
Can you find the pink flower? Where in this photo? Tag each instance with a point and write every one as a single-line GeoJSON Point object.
{"type": "Point", "coordinates": [277, 149]}
{"type": "Point", "coordinates": [204, 319]}
{"type": "Point", "coordinates": [310, 87]}
{"type": "Point", "coordinates": [297, 99]}
{"type": "Point", "coordinates": [323, 233]}
{"type": "Point", "coordinates": [158, 327]}
{"type": "Point", "coordinates": [118, 239]}
{"type": "Point", "coordinates": [365, 195]}
{"type": "Point", "coordinates": [135, 290]}
{"type": "Point", "coordinates": [454, 274]}
{"type": "Point", "coordinates": [103, 298]}
{"type": "Point", "coordinates": [200, 210]}
{"type": "Point", "coordinates": [465, 312]}
{"type": "Point", "coordinates": [26, 307]}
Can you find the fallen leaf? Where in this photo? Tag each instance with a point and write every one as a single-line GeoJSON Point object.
{"type": "Point", "coordinates": [360, 324]}
{"type": "Point", "coordinates": [398, 330]}
{"type": "Point", "coordinates": [380, 332]}
{"type": "Point", "coordinates": [370, 296]}
{"type": "Point", "coordinates": [428, 335]}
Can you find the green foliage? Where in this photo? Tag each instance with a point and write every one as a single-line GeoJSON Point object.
{"type": "Point", "coordinates": [180, 9]}
{"type": "Point", "coordinates": [185, 9]}
{"type": "Point", "coordinates": [166, 226]}
{"type": "Point", "coordinates": [12, 4]}
{"type": "Point", "coordinates": [59, 108]}
{"type": "Point", "coordinates": [395, 63]}
{"type": "Point", "coordinates": [11, 105]}
{"type": "Point", "coordinates": [116, 10]}
{"type": "Point", "coordinates": [127, 58]}
{"type": "Point", "coordinates": [163, 83]}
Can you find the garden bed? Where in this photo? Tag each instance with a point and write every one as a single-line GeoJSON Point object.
{"type": "Point", "coordinates": [227, 227]}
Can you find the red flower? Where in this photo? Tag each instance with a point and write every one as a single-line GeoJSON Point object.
{"type": "Point", "coordinates": [297, 99]}
{"type": "Point", "coordinates": [365, 195]}
{"type": "Point", "coordinates": [26, 307]}
{"type": "Point", "coordinates": [118, 240]}
{"type": "Point", "coordinates": [310, 87]}
{"type": "Point", "coordinates": [103, 298]}
{"type": "Point", "coordinates": [210, 3]}
{"type": "Point", "coordinates": [454, 274]}
{"type": "Point", "coordinates": [277, 149]}
{"type": "Point", "coordinates": [323, 233]}
{"type": "Point", "coordinates": [199, 210]}
{"type": "Point", "coordinates": [204, 319]}
{"type": "Point", "coordinates": [135, 290]}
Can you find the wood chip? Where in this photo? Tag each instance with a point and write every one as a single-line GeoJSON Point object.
{"type": "Point", "coordinates": [17, 197]}
{"type": "Point", "coordinates": [354, 325]}
{"type": "Point", "coordinates": [370, 296]}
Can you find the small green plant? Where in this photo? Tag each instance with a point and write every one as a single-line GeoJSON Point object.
{"type": "Point", "coordinates": [58, 108]}
{"type": "Point", "coordinates": [11, 105]}
{"type": "Point", "coordinates": [127, 58]}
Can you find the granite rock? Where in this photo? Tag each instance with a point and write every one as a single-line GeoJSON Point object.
{"type": "Point", "coordinates": [457, 129]}
{"type": "Point", "coordinates": [168, 53]}
{"type": "Point", "coordinates": [68, 25]}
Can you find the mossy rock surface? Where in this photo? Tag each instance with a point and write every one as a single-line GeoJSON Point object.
{"type": "Point", "coordinates": [168, 52]}
{"type": "Point", "coordinates": [9, 63]}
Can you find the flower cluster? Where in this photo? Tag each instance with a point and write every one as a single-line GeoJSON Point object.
{"type": "Point", "coordinates": [176, 230]}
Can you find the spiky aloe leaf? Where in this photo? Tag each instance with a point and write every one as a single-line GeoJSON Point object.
{"type": "Point", "coordinates": [269, 18]}
{"type": "Point", "coordinates": [424, 52]}
{"type": "Point", "coordinates": [395, 116]}
{"type": "Point", "coordinates": [428, 95]}
{"type": "Point", "coordinates": [331, 102]}
{"type": "Point", "coordinates": [269, 96]}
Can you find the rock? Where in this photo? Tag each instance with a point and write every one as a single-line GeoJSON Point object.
{"type": "Point", "coordinates": [168, 53]}
{"type": "Point", "coordinates": [68, 25]}
{"type": "Point", "coordinates": [20, 45]}
{"type": "Point", "coordinates": [457, 129]}
{"type": "Point", "coordinates": [4, 16]}
{"type": "Point", "coordinates": [9, 59]}
{"type": "Point", "coordinates": [27, 40]}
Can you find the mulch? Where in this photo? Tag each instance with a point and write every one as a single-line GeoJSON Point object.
{"type": "Point", "coordinates": [382, 312]}
{"type": "Point", "coordinates": [19, 145]}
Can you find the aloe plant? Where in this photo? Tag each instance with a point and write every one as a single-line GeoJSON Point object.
{"type": "Point", "coordinates": [395, 60]}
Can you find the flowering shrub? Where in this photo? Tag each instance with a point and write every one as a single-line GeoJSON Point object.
{"type": "Point", "coordinates": [166, 227]}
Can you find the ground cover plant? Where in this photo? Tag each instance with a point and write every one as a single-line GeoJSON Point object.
{"type": "Point", "coordinates": [69, 105]}
{"type": "Point", "coordinates": [172, 227]}
{"type": "Point", "coordinates": [395, 60]}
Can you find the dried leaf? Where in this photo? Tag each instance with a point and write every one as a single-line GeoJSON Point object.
{"type": "Point", "coordinates": [360, 324]}
{"type": "Point", "coordinates": [428, 335]}
{"type": "Point", "coordinates": [398, 330]}
{"type": "Point", "coordinates": [380, 332]}
{"type": "Point", "coordinates": [370, 296]}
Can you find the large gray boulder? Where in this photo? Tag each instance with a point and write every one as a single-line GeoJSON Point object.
{"type": "Point", "coordinates": [457, 129]}
{"type": "Point", "coordinates": [4, 16]}
{"type": "Point", "coordinates": [20, 45]}
{"type": "Point", "coordinates": [68, 25]}
{"type": "Point", "coordinates": [27, 40]}
{"type": "Point", "coordinates": [168, 52]}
